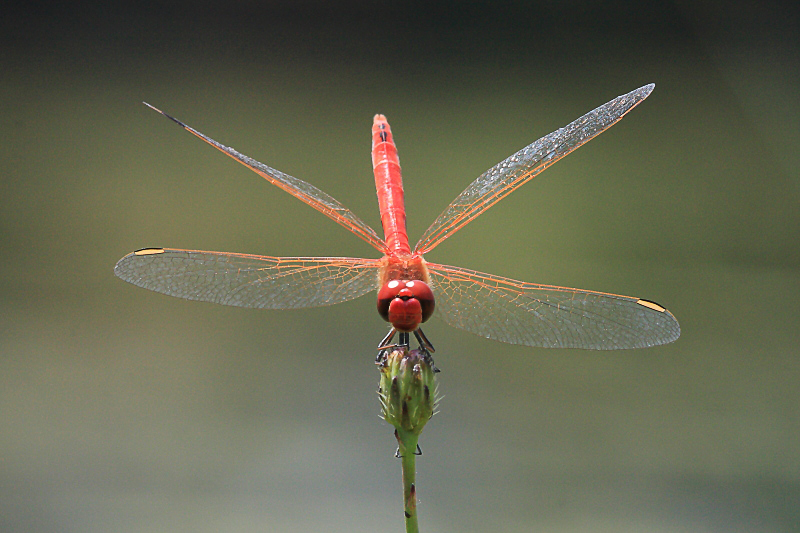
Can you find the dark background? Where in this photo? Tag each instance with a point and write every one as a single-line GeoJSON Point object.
{"type": "Point", "coordinates": [124, 410]}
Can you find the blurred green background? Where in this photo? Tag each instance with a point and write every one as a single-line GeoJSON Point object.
{"type": "Point", "coordinates": [128, 411]}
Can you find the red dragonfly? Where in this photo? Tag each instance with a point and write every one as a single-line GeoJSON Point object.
{"type": "Point", "coordinates": [491, 306]}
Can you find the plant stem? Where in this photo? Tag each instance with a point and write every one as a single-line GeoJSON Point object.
{"type": "Point", "coordinates": [408, 398]}
{"type": "Point", "coordinates": [408, 447]}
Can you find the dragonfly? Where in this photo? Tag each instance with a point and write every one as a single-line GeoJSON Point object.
{"type": "Point", "coordinates": [410, 289]}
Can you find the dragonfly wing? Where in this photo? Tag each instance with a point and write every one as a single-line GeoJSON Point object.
{"type": "Point", "coordinates": [298, 188]}
{"type": "Point", "coordinates": [547, 316]}
{"type": "Point", "coordinates": [249, 280]}
{"type": "Point", "coordinates": [503, 178]}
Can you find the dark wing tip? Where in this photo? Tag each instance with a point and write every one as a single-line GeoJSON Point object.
{"type": "Point", "coordinates": [173, 119]}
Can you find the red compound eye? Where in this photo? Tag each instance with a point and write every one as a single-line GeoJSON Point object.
{"type": "Point", "coordinates": [405, 303]}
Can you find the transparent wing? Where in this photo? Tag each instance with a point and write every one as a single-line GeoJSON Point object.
{"type": "Point", "coordinates": [298, 188]}
{"type": "Point", "coordinates": [503, 178]}
{"type": "Point", "coordinates": [249, 280]}
{"type": "Point", "coordinates": [546, 316]}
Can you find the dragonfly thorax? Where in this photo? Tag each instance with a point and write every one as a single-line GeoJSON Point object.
{"type": "Point", "coordinates": [405, 303]}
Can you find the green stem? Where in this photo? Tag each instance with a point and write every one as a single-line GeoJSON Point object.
{"type": "Point", "coordinates": [408, 446]}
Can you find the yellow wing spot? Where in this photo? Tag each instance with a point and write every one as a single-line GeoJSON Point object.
{"type": "Point", "coordinates": [652, 305]}
{"type": "Point", "coordinates": [149, 251]}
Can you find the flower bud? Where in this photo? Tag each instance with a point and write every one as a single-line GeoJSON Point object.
{"type": "Point", "coordinates": [407, 389]}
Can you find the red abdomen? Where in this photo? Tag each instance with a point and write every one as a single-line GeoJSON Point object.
{"type": "Point", "coordinates": [389, 186]}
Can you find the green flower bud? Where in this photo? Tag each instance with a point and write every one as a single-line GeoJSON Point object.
{"type": "Point", "coordinates": [407, 389]}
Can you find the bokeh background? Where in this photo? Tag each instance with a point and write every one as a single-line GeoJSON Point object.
{"type": "Point", "coordinates": [128, 411]}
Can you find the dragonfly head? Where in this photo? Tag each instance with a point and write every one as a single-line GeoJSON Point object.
{"type": "Point", "coordinates": [405, 304]}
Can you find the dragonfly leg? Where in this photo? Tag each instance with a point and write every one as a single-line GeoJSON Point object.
{"type": "Point", "coordinates": [384, 346]}
{"type": "Point", "coordinates": [404, 340]}
{"type": "Point", "coordinates": [402, 343]}
{"type": "Point", "coordinates": [423, 341]}
{"type": "Point", "coordinates": [426, 347]}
